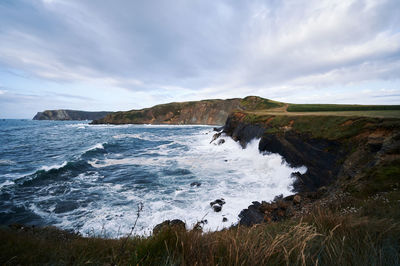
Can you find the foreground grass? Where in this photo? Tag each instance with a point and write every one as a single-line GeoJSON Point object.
{"type": "Point", "coordinates": [322, 238]}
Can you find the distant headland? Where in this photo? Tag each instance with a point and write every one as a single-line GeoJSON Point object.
{"type": "Point", "coordinates": [69, 115]}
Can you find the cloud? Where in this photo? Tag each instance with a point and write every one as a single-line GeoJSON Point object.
{"type": "Point", "coordinates": [199, 49]}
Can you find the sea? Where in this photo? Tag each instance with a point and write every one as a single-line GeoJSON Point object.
{"type": "Point", "coordinates": [104, 180]}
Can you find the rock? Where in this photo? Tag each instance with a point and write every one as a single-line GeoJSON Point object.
{"type": "Point", "coordinates": [218, 129]}
{"type": "Point", "coordinates": [216, 135]}
{"type": "Point", "coordinates": [297, 199]}
{"type": "Point", "coordinates": [195, 184]}
{"type": "Point", "coordinates": [221, 141]}
{"type": "Point", "coordinates": [175, 224]}
{"type": "Point", "coordinates": [217, 207]}
{"type": "Point", "coordinates": [220, 201]}
{"type": "Point", "coordinates": [251, 216]}
{"type": "Point", "coordinates": [288, 198]}
{"type": "Point", "coordinates": [224, 219]}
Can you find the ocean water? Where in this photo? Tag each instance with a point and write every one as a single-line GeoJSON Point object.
{"type": "Point", "coordinates": [90, 178]}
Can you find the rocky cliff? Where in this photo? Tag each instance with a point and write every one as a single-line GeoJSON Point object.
{"type": "Point", "coordinates": [69, 115]}
{"type": "Point", "coordinates": [349, 160]}
{"type": "Point", "coordinates": [331, 147]}
{"type": "Point", "coordinates": [210, 112]}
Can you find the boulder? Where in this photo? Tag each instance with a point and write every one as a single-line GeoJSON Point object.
{"type": "Point", "coordinates": [220, 201]}
{"type": "Point", "coordinates": [251, 216]}
{"type": "Point", "coordinates": [175, 224]}
{"type": "Point", "coordinates": [216, 135]}
{"type": "Point", "coordinates": [217, 204]}
{"type": "Point", "coordinates": [217, 207]}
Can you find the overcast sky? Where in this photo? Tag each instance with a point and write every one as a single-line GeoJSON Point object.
{"type": "Point", "coordinates": [122, 55]}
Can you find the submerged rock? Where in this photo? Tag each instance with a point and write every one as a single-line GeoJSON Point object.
{"type": "Point", "coordinates": [221, 141]}
{"type": "Point", "coordinates": [175, 224]}
{"type": "Point", "coordinates": [195, 184]}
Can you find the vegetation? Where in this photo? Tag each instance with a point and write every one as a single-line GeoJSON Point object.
{"type": "Point", "coordinates": [338, 107]}
{"type": "Point", "coordinates": [321, 238]}
{"type": "Point", "coordinates": [328, 127]}
{"type": "Point", "coordinates": [258, 103]}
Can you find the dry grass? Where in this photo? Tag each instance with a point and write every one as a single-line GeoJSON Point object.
{"type": "Point", "coordinates": [323, 238]}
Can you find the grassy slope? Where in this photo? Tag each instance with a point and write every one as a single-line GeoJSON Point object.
{"type": "Point", "coordinates": [320, 126]}
{"type": "Point", "coordinates": [323, 238]}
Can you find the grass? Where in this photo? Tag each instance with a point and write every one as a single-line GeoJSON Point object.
{"type": "Point", "coordinates": [258, 103]}
{"type": "Point", "coordinates": [322, 238]}
{"type": "Point", "coordinates": [328, 127]}
{"type": "Point", "coordinates": [339, 107]}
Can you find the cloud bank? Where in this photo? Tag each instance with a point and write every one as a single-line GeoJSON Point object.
{"type": "Point", "coordinates": [161, 50]}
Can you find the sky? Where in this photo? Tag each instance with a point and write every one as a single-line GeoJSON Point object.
{"type": "Point", "coordinates": [122, 55]}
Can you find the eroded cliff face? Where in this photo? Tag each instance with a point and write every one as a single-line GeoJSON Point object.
{"type": "Point", "coordinates": [339, 151]}
{"type": "Point", "coordinates": [69, 115]}
{"type": "Point", "coordinates": [206, 112]}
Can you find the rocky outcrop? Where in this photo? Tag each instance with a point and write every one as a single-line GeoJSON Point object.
{"type": "Point", "coordinates": [176, 225]}
{"type": "Point", "coordinates": [69, 115]}
{"type": "Point", "coordinates": [206, 112]}
{"type": "Point", "coordinates": [331, 147]}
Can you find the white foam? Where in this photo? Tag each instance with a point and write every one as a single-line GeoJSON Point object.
{"type": "Point", "coordinates": [6, 183]}
{"type": "Point", "coordinates": [55, 166]}
{"type": "Point", "coordinates": [79, 125]}
{"type": "Point", "coordinates": [227, 171]}
{"type": "Point", "coordinates": [123, 136]}
{"type": "Point", "coordinates": [99, 146]}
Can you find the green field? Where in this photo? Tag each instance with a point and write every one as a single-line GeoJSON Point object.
{"type": "Point", "coordinates": [339, 107]}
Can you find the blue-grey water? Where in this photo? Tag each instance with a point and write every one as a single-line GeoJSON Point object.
{"type": "Point", "coordinates": [90, 178]}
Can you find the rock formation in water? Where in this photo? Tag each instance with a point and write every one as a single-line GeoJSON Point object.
{"type": "Point", "coordinates": [69, 115]}
{"type": "Point", "coordinates": [206, 112]}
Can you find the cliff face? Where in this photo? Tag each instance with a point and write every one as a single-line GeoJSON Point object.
{"type": "Point", "coordinates": [207, 112]}
{"type": "Point", "coordinates": [336, 150]}
{"type": "Point", "coordinates": [69, 115]}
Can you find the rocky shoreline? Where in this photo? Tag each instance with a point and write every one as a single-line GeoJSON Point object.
{"type": "Point", "coordinates": [335, 162]}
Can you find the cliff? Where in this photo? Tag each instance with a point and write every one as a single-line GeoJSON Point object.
{"type": "Point", "coordinates": [206, 112]}
{"type": "Point", "coordinates": [69, 115]}
{"type": "Point", "coordinates": [337, 150]}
